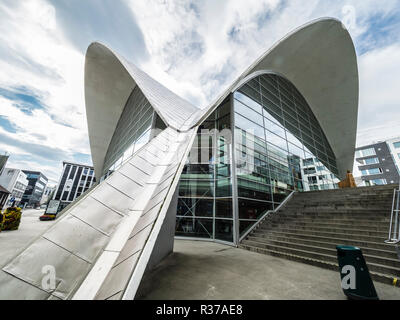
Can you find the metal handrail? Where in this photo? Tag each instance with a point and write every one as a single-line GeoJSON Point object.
{"type": "Point", "coordinates": [265, 215]}
{"type": "Point", "coordinates": [394, 233]}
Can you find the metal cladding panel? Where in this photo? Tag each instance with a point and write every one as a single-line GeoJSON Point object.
{"type": "Point", "coordinates": [83, 235]}
{"type": "Point", "coordinates": [29, 265]}
{"type": "Point", "coordinates": [102, 233]}
{"type": "Point", "coordinates": [11, 289]}
{"type": "Point", "coordinates": [116, 281]}
{"type": "Point", "coordinates": [174, 110]}
{"type": "Point", "coordinates": [97, 215]}
{"type": "Point", "coordinates": [140, 241]}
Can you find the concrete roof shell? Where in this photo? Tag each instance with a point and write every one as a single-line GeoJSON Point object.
{"type": "Point", "coordinates": [319, 58]}
{"type": "Point", "coordinates": [109, 80]}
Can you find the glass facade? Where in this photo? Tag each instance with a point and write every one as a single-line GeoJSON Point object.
{"type": "Point", "coordinates": [132, 132]}
{"type": "Point", "coordinates": [76, 179]}
{"type": "Point", "coordinates": [36, 184]}
{"type": "Point", "coordinates": [278, 147]}
{"type": "Point", "coordinates": [205, 189]}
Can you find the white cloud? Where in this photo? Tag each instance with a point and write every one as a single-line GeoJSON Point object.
{"type": "Point", "coordinates": [196, 49]}
{"type": "Point", "coordinates": [40, 128]}
{"type": "Point", "coordinates": [379, 110]}
{"type": "Point", "coordinates": [194, 53]}
{"type": "Point", "coordinates": [37, 57]}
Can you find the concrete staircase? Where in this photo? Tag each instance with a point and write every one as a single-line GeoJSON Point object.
{"type": "Point", "coordinates": [310, 225]}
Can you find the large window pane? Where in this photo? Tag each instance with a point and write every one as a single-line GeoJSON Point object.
{"type": "Point", "coordinates": [196, 228]}
{"type": "Point", "coordinates": [198, 171]}
{"type": "Point", "coordinates": [196, 188]}
{"type": "Point", "coordinates": [254, 190]}
{"type": "Point", "coordinates": [195, 207]}
{"type": "Point", "coordinates": [223, 188]}
{"type": "Point", "coordinates": [244, 226]}
{"type": "Point", "coordinates": [249, 126]}
{"type": "Point", "coordinates": [252, 210]}
{"type": "Point", "coordinates": [224, 230]}
{"type": "Point", "coordinates": [223, 170]}
{"type": "Point", "coordinates": [274, 128]}
{"type": "Point", "coordinates": [248, 102]}
{"type": "Point", "coordinates": [223, 208]}
{"type": "Point", "coordinates": [248, 113]}
{"type": "Point", "coordinates": [276, 140]}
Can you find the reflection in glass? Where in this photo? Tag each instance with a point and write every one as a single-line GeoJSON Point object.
{"type": "Point", "coordinates": [195, 207]}
{"type": "Point", "coordinates": [223, 208]}
{"type": "Point", "coordinates": [278, 148]}
{"type": "Point", "coordinates": [198, 228]}
{"type": "Point", "coordinates": [205, 187]}
{"type": "Point", "coordinates": [196, 188]}
{"type": "Point", "coordinates": [252, 210]}
{"type": "Point", "coordinates": [224, 230]}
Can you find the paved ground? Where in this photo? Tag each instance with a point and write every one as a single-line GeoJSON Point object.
{"type": "Point", "coordinates": [206, 270]}
{"type": "Point", "coordinates": [13, 242]}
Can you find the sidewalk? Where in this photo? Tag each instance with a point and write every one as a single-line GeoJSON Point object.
{"type": "Point", "coordinates": [14, 242]}
{"type": "Point", "coordinates": [206, 270]}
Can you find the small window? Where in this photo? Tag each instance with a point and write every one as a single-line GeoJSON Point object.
{"type": "Point", "coordinates": [312, 180]}
{"type": "Point", "coordinates": [396, 145]}
{"type": "Point", "coordinates": [371, 161]}
{"type": "Point", "coordinates": [367, 152]}
{"type": "Point", "coordinates": [309, 170]}
{"type": "Point", "coordinates": [373, 171]}
{"type": "Point", "coordinates": [308, 162]}
{"type": "Point", "coordinates": [376, 182]}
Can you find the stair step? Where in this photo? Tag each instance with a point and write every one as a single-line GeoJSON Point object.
{"type": "Point", "coordinates": [391, 271]}
{"type": "Point", "coordinates": [343, 197]}
{"type": "Point", "coordinates": [333, 216]}
{"type": "Point", "coordinates": [353, 211]}
{"type": "Point", "coordinates": [332, 234]}
{"type": "Point", "coordinates": [317, 223]}
{"type": "Point", "coordinates": [373, 204]}
{"type": "Point", "coordinates": [317, 249]}
{"type": "Point", "coordinates": [310, 227]}
{"type": "Point", "coordinates": [386, 253]}
{"type": "Point", "coordinates": [384, 278]}
{"type": "Point", "coordinates": [337, 240]}
{"type": "Point", "coordinates": [361, 222]}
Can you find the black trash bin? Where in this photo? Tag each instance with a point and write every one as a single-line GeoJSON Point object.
{"type": "Point", "coordinates": [356, 280]}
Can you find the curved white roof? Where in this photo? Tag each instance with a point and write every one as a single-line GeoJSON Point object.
{"type": "Point", "coordinates": [318, 58]}
{"type": "Point", "coordinates": [109, 80]}
{"type": "Point", "coordinates": [105, 241]}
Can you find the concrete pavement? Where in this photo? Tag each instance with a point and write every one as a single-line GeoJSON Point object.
{"type": "Point", "coordinates": [206, 270]}
{"type": "Point", "coordinates": [14, 242]}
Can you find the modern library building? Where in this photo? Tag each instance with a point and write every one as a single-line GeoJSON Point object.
{"type": "Point", "coordinates": [166, 168]}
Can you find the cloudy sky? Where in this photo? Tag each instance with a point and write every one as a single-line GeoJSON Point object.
{"type": "Point", "coordinates": [195, 48]}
